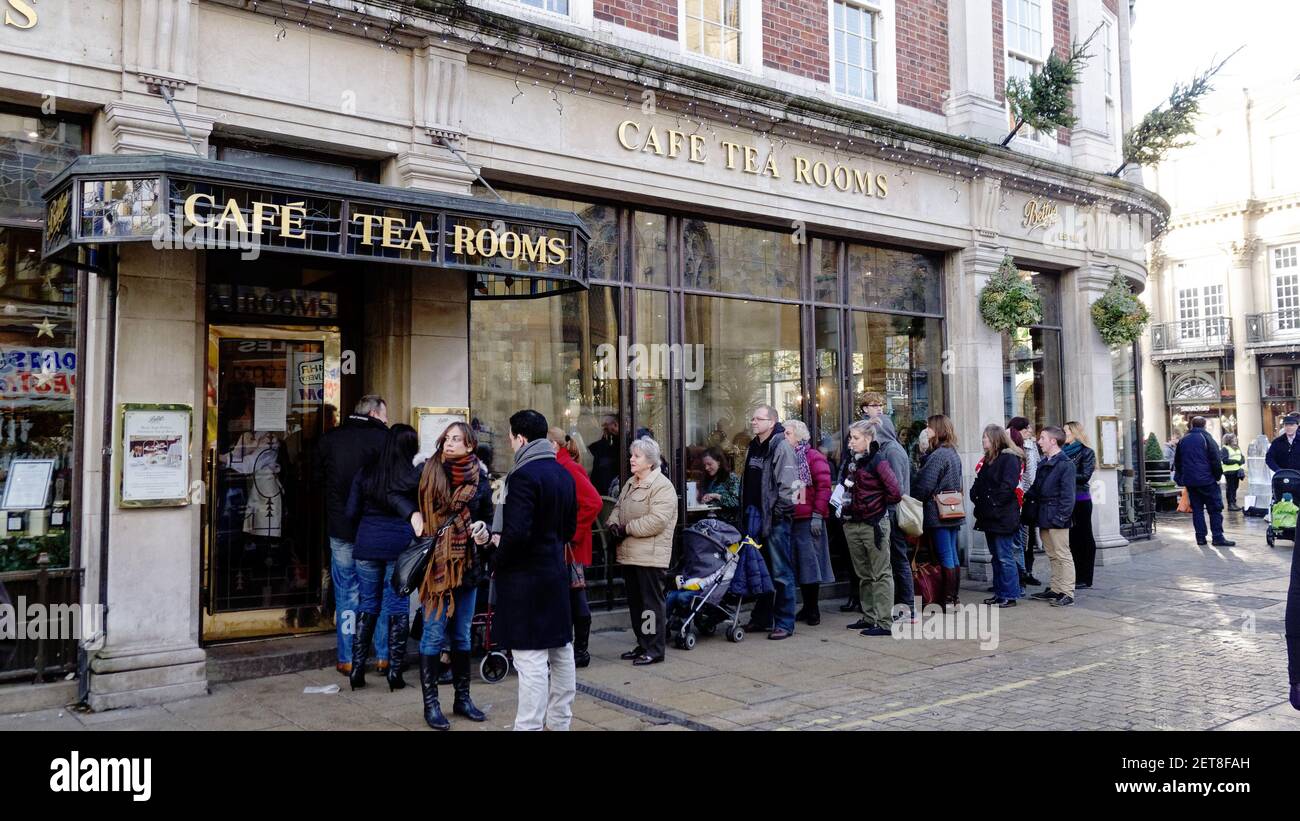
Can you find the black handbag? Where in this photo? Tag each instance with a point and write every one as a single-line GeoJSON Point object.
{"type": "Point", "coordinates": [414, 560]}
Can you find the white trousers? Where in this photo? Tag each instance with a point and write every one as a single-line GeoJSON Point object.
{"type": "Point", "coordinates": [548, 682]}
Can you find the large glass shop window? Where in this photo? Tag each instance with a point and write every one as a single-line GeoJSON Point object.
{"type": "Point", "coordinates": [547, 354]}
{"type": "Point", "coordinates": [900, 358]}
{"type": "Point", "coordinates": [38, 340]}
{"type": "Point", "coordinates": [33, 150]}
{"type": "Point", "coordinates": [750, 356]}
{"type": "Point", "coordinates": [1031, 361]}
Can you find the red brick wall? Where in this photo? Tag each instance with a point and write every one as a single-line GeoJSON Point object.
{"type": "Point", "coordinates": [922, 34]}
{"type": "Point", "coordinates": [999, 52]}
{"type": "Point", "coordinates": [1061, 31]}
{"type": "Point", "coordinates": [658, 17]}
{"type": "Point", "coordinates": [795, 38]}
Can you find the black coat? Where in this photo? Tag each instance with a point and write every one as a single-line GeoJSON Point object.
{"type": "Point", "coordinates": [344, 451]}
{"type": "Point", "coordinates": [532, 581]}
{"type": "Point", "coordinates": [1196, 460]}
{"type": "Point", "coordinates": [1283, 456]}
{"type": "Point", "coordinates": [997, 510]}
{"type": "Point", "coordinates": [383, 526]}
{"type": "Point", "coordinates": [1052, 494]}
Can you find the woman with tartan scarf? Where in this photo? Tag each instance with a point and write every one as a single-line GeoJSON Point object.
{"type": "Point", "coordinates": [452, 490]}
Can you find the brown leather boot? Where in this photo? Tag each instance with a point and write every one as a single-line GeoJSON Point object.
{"type": "Point", "coordinates": [951, 585]}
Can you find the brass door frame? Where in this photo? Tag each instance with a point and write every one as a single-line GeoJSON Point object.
{"type": "Point", "coordinates": [277, 621]}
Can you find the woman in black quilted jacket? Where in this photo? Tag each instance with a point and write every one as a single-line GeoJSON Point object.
{"type": "Point", "coordinates": [997, 511]}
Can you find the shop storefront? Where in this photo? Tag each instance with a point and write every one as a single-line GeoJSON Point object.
{"type": "Point", "coordinates": [466, 230]}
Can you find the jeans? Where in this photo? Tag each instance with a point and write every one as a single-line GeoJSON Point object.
{"type": "Point", "coordinates": [1207, 498]}
{"type": "Point", "coordinates": [945, 545]}
{"type": "Point", "coordinates": [438, 637]}
{"type": "Point", "coordinates": [899, 563]}
{"type": "Point", "coordinates": [1006, 581]}
{"type": "Point", "coordinates": [548, 683]}
{"type": "Point", "coordinates": [374, 586]}
{"type": "Point", "coordinates": [679, 599]}
{"type": "Point", "coordinates": [783, 599]}
{"type": "Point", "coordinates": [343, 573]}
{"type": "Point", "coordinates": [1018, 549]}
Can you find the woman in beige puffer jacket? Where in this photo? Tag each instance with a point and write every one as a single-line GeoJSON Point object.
{"type": "Point", "coordinates": [642, 523]}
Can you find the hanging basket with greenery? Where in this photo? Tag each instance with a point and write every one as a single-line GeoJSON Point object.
{"type": "Point", "coordinates": [1009, 301]}
{"type": "Point", "coordinates": [1119, 316]}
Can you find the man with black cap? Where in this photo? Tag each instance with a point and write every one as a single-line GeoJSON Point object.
{"type": "Point", "coordinates": [1198, 468]}
{"type": "Point", "coordinates": [1284, 453]}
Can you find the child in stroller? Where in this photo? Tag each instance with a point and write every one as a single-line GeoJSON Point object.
{"type": "Point", "coordinates": [1282, 513]}
{"type": "Point", "coordinates": [701, 600]}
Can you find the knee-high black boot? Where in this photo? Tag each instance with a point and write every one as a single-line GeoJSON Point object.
{"type": "Point", "coordinates": [811, 612]}
{"type": "Point", "coordinates": [429, 670]}
{"type": "Point", "coordinates": [361, 648]}
{"type": "Point", "coordinates": [463, 705]}
{"type": "Point", "coordinates": [398, 626]}
{"type": "Point", "coordinates": [581, 639]}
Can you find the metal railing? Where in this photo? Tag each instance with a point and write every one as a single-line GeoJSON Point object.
{"type": "Point", "coordinates": [1209, 333]}
{"type": "Point", "coordinates": [1273, 327]}
{"type": "Point", "coordinates": [52, 651]}
{"type": "Point", "coordinates": [1137, 513]}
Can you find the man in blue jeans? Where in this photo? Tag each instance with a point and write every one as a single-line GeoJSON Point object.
{"type": "Point", "coordinates": [767, 488]}
{"type": "Point", "coordinates": [1198, 467]}
{"type": "Point", "coordinates": [344, 451]}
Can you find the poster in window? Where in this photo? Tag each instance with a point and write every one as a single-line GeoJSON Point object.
{"type": "Point", "coordinates": [27, 487]}
{"type": "Point", "coordinates": [154, 461]}
{"type": "Point", "coordinates": [1108, 442]}
{"type": "Point", "coordinates": [431, 422]}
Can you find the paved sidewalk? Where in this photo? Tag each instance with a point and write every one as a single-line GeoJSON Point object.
{"type": "Point", "coordinates": [1184, 637]}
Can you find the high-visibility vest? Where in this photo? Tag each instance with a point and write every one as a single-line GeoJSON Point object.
{"type": "Point", "coordinates": [1234, 460]}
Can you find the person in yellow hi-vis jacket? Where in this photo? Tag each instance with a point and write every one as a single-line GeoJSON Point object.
{"type": "Point", "coordinates": [1234, 467]}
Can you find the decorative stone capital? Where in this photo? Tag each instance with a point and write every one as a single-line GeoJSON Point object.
{"type": "Point", "coordinates": [150, 129]}
{"type": "Point", "coordinates": [162, 51]}
{"type": "Point", "coordinates": [441, 171]}
{"type": "Point", "coordinates": [1243, 251]}
{"type": "Point", "coordinates": [986, 205]}
{"type": "Point", "coordinates": [441, 79]}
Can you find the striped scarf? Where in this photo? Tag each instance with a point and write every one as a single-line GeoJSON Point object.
{"type": "Point", "coordinates": [450, 555]}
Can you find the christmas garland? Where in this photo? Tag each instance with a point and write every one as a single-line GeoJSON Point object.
{"type": "Point", "coordinates": [1119, 316]}
{"type": "Point", "coordinates": [1009, 301]}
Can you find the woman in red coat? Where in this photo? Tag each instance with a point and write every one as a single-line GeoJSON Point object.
{"type": "Point", "coordinates": [812, 553]}
{"type": "Point", "coordinates": [589, 504]}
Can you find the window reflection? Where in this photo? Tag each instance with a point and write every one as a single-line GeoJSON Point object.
{"type": "Point", "coordinates": [899, 357]}
{"type": "Point", "coordinates": [751, 356]}
{"type": "Point", "coordinates": [735, 259]}
{"type": "Point", "coordinates": [892, 280]}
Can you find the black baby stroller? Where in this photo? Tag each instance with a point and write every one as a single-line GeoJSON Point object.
{"type": "Point", "coordinates": [711, 553]}
{"type": "Point", "coordinates": [1282, 513]}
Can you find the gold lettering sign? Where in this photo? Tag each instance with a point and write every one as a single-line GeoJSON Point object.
{"type": "Point", "coordinates": [286, 220]}
{"type": "Point", "coordinates": [1039, 214]}
{"type": "Point", "coordinates": [28, 18]}
{"type": "Point", "coordinates": [488, 243]}
{"type": "Point", "coordinates": [748, 159]}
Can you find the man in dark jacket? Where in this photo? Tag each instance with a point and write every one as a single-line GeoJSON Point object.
{"type": "Point", "coordinates": [605, 457]}
{"type": "Point", "coordinates": [1284, 453]}
{"type": "Point", "coordinates": [536, 517]}
{"type": "Point", "coordinates": [767, 489]}
{"type": "Point", "coordinates": [1198, 467]}
{"type": "Point", "coordinates": [344, 451]}
{"type": "Point", "coordinates": [1049, 505]}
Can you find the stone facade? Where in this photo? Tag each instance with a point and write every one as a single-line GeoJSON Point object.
{"type": "Point", "coordinates": [536, 102]}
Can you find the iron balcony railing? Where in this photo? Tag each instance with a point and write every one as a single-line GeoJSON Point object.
{"type": "Point", "coordinates": [39, 652]}
{"type": "Point", "coordinates": [1210, 333]}
{"type": "Point", "coordinates": [1276, 326]}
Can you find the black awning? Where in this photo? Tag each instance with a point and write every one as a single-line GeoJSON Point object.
{"type": "Point", "coordinates": [179, 202]}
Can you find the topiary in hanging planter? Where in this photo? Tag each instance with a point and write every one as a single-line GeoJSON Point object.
{"type": "Point", "coordinates": [1009, 301]}
{"type": "Point", "coordinates": [1120, 316]}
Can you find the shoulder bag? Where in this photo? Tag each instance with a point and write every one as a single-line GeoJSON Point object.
{"type": "Point", "coordinates": [950, 503]}
{"type": "Point", "coordinates": [411, 564]}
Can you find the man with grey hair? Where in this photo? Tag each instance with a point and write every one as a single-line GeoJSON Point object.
{"type": "Point", "coordinates": [767, 499]}
{"type": "Point", "coordinates": [344, 451]}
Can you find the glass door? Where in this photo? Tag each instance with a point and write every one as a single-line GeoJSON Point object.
{"type": "Point", "coordinates": [272, 392]}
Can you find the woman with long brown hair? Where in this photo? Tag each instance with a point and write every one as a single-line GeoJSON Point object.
{"type": "Point", "coordinates": [941, 472]}
{"type": "Point", "coordinates": [454, 491]}
{"type": "Point", "coordinates": [997, 510]}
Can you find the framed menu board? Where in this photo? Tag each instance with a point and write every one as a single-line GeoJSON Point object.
{"type": "Point", "coordinates": [431, 422]}
{"type": "Point", "coordinates": [1107, 441]}
{"type": "Point", "coordinates": [154, 455]}
{"type": "Point", "coordinates": [28, 484]}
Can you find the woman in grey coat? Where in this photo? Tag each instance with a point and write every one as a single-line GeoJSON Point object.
{"type": "Point", "coordinates": [941, 472]}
